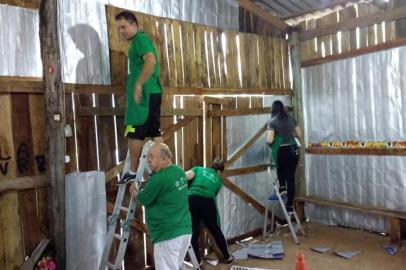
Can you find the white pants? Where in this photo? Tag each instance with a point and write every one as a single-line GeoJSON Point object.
{"type": "Point", "coordinates": [169, 255]}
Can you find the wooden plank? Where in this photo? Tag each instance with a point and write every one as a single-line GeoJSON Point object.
{"type": "Point", "coordinates": [170, 43]}
{"type": "Point", "coordinates": [363, 31]}
{"type": "Point", "coordinates": [400, 25]}
{"type": "Point", "coordinates": [23, 183]}
{"type": "Point", "coordinates": [216, 138]}
{"type": "Point", "coordinates": [394, 230]}
{"type": "Point", "coordinates": [37, 123]}
{"type": "Point", "coordinates": [241, 150]}
{"type": "Point", "coordinates": [215, 43]}
{"type": "Point", "coordinates": [207, 135]}
{"type": "Point", "coordinates": [227, 90]}
{"type": "Point", "coordinates": [221, 59]}
{"type": "Point", "coordinates": [178, 154]}
{"type": "Point", "coordinates": [239, 111]}
{"type": "Point", "coordinates": [250, 6]}
{"type": "Point", "coordinates": [23, 146]}
{"type": "Point", "coordinates": [177, 40]}
{"type": "Point", "coordinates": [7, 156]}
{"type": "Point", "coordinates": [261, 62]}
{"type": "Point", "coordinates": [348, 38]}
{"type": "Point", "coordinates": [11, 242]}
{"type": "Point", "coordinates": [165, 70]}
{"type": "Point", "coordinates": [190, 135]}
{"type": "Point", "coordinates": [210, 57]}
{"type": "Point", "coordinates": [243, 59]}
{"type": "Point", "coordinates": [246, 170]}
{"type": "Point", "coordinates": [31, 226]}
{"type": "Point", "coordinates": [389, 15]}
{"type": "Point", "coordinates": [256, 102]}
{"type": "Point", "coordinates": [277, 62]}
{"type": "Point", "coordinates": [304, 46]}
{"type": "Point", "coordinates": [32, 4]}
{"type": "Point", "coordinates": [378, 47]}
{"type": "Point", "coordinates": [243, 195]}
{"type": "Point", "coordinates": [374, 30]}
{"type": "Point", "coordinates": [189, 55]}
{"type": "Point", "coordinates": [269, 55]}
{"type": "Point", "coordinates": [285, 63]}
{"type": "Point", "coordinates": [351, 206]}
{"type": "Point", "coordinates": [71, 166]}
{"type": "Point", "coordinates": [106, 135]}
{"type": "Point", "coordinates": [253, 62]}
{"type": "Point", "coordinates": [232, 67]}
{"type": "Point", "coordinates": [86, 136]}
{"type": "Point", "coordinates": [199, 37]}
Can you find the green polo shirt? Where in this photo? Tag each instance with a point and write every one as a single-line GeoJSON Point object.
{"type": "Point", "coordinates": [137, 114]}
{"type": "Point", "coordinates": [166, 204]}
{"type": "Point", "coordinates": [206, 182]}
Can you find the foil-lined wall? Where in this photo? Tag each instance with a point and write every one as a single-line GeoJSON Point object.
{"type": "Point", "coordinates": [236, 215]}
{"type": "Point", "coordinates": [20, 53]}
{"type": "Point", "coordinates": [362, 98]}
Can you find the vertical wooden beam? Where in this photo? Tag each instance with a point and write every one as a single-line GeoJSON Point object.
{"type": "Point", "coordinates": [294, 45]}
{"type": "Point", "coordinates": [54, 124]}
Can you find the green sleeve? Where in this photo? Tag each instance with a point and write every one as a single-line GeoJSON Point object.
{"type": "Point", "coordinates": [150, 193]}
{"type": "Point", "coordinates": [144, 45]}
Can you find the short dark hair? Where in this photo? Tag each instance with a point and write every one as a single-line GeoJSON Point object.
{"type": "Point", "coordinates": [128, 16]}
{"type": "Point", "coordinates": [218, 165]}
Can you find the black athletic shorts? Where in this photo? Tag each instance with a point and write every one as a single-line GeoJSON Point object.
{"type": "Point", "coordinates": [151, 128]}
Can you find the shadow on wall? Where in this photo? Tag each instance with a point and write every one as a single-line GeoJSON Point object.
{"type": "Point", "coordinates": [89, 69]}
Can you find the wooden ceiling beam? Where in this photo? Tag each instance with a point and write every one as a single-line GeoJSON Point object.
{"type": "Point", "coordinates": [389, 15]}
{"type": "Point", "coordinates": [320, 8]}
{"type": "Point", "coordinates": [275, 21]}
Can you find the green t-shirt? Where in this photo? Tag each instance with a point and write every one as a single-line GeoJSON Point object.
{"type": "Point", "coordinates": [166, 204]}
{"type": "Point", "coordinates": [206, 182]}
{"type": "Point", "coordinates": [137, 114]}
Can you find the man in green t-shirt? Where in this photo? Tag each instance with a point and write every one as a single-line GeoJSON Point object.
{"type": "Point", "coordinates": [165, 197]}
{"type": "Point", "coordinates": [143, 94]}
{"type": "Point", "coordinates": [204, 185]}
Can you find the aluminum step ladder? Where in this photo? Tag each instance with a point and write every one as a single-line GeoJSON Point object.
{"type": "Point", "coordinates": [130, 210]}
{"type": "Point", "coordinates": [274, 198]}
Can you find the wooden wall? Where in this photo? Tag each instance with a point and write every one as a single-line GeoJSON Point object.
{"type": "Point", "coordinates": [372, 35]}
{"type": "Point", "coordinates": [22, 213]}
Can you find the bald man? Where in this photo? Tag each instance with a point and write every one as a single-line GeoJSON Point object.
{"type": "Point", "coordinates": [165, 197]}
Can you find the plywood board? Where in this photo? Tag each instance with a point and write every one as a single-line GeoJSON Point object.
{"type": "Point", "coordinates": [37, 119]}
{"type": "Point", "coordinates": [7, 156]}
{"type": "Point", "coordinates": [11, 242]}
{"type": "Point", "coordinates": [348, 38]}
{"type": "Point", "coordinates": [23, 145]}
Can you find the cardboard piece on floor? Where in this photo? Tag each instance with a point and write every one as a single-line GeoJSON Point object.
{"type": "Point", "coordinates": [274, 250]}
{"type": "Point", "coordinates": [347, 254]}
{"type": "Point", "coordinates": [321, 249]}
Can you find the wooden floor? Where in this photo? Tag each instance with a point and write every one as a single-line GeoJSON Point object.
{"type": "Point", "coordinates": [339, 239]}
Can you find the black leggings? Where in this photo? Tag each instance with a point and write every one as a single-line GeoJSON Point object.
{"type": "Point", "coordinates": [204, 210]}
{"type": "Point", "coordinates": [288, 157]}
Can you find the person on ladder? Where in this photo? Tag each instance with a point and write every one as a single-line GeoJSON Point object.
{"type": "Point", "coordinates": [143, 94]}
{"type": "Point", "coordinates": [204, 186]}
{"type": "Point", "coordinates": [166, 209]}
{"type": "Point", "coordinates": [281, 132]}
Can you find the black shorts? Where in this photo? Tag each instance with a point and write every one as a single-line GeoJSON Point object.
{"type": "Point", "coordinates": [151, 128]}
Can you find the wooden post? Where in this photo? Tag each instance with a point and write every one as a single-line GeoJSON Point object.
{"type": "Point", "coordinates": [294, 46]}
{"type": "Point", "coordinates": [55, 121]}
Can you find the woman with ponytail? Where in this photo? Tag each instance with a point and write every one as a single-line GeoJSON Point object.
{"type": "Point", "coordinates": [281, 132]}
